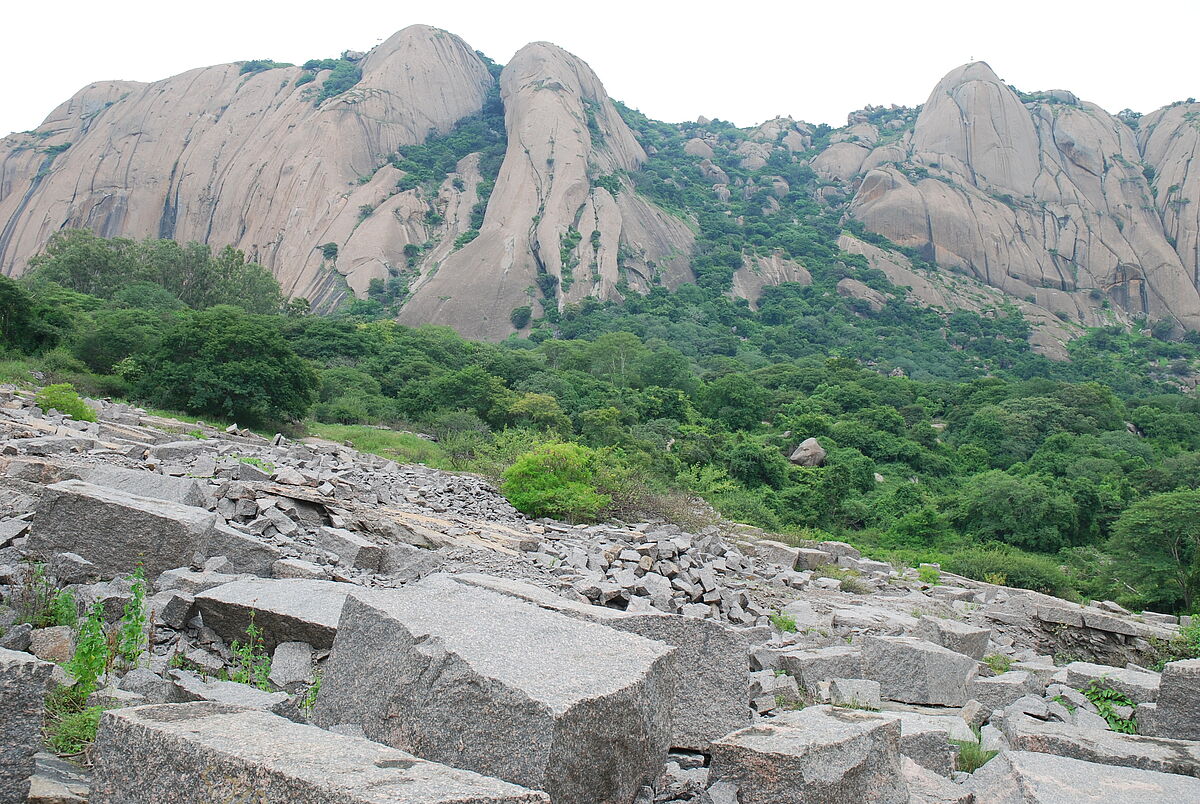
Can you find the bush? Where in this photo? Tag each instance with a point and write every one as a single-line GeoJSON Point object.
{"type": "Point", "coordinates": [62, 397]}
{"type": "Point", "coordinates": [557, 480]}
{"type": "Point", "coordinates": [1023, 570]}
{"type": "Point", "coordinates": [520, 316]}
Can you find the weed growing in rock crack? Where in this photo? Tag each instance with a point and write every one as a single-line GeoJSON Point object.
{"type": "Point", "coordinates": [971, 755]}
{"type": "Point", "coordinates": [1106, 700]}
{"type": "Point", "coordinates": [1185, 645]}
{"type": "Point", "coordinates": [131, 632]}
{"type": "Point", "coordinates": [38, 604]}
{"type": "Point", "coordinates": [929, 575]}
{"type": "Point", "coordinates": [783, 622]}
{"type": "Point", "coordinates": [310, 697]}
{"type": "Point", "coordinates": [265, 465]}
{"type": "Point", "coordinates": [788, 704]}
{"type": "Point", "coordinates": [93, 657]}
{"type": "Point", "coordinates": [1062, 699]}
{"type": "Point", "coordinates": [998, 662]}
{"type": "Point", "coordinates": [252, 664]}
{"type": "Point", "coordinates": [70, 724]}
{"type": "Point", "coordinates": [855, 586]}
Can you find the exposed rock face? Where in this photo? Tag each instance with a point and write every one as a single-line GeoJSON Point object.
{"type": "Point", "coordinates": [563, 133]}
{"type": "Point", "coordinates": [1169, 139]}
{"type": "Point", "coordinates": [218, 157]}
{"type": "Point", "coordinates": [1043, 200]}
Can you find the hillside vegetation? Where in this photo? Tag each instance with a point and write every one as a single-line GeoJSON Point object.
{"type": "Point", "coordinates": [949, 443]}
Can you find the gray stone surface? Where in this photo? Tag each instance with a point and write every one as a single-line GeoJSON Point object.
{"type": "Point", "coordinates": [407, 563]}
{"type": "Point", "coordinates": [927, 787]}
{"type": "Point", "coordinates": [811, 667]}
{"type": "Point", "coordinates": [1178, 711]}
{"type": "Point", "coordinates": [915, 671]}
{"type": "Point", "coordinates": [141, 483]}
{"type": "Point", "coordinates": [1140, 687]}
{"type": "Point", "coordinates": [860, 693]}
{"type": "Point", "coordinates": [1105, 747]}
{"type": "Point", "coordinates": [202, 752]}
{"type": "Point", "coordinates": [711, 660]}
{"type": "Point", "coordinates": [996, 692]}
{"type": "Point", "coordinates": [353, 550]}
{"type": "Point", "coordinates": [153, 688]}
{"type": "Point", "coordinates": [814, 756]}
{"type": "Point", "coordinates": [457, 673]}
{"type": "Point", "coordinates": [23, 682]}
{"type": "Point", "coordinates": [926, 738]}
{"type": "Point", "coordinates": [1022, 777]}
{"type": "Point", "coordinates": [115, 530]}
{"type": "Point", "coordinates": [246, 554]}
{"type": "Point", "coordinates": [287, 610]}
{"type": "Point", "coordinates": [954, 635]}
{"type": "Point", "coordinates": [57, 781]}
{"type": "Point", "coordinates": [292, 663]}
{"type": "Point", "coordinates": [194, 688]}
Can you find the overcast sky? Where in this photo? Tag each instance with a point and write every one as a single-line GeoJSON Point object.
{"type": "Point", "coordinates": [740, 61]}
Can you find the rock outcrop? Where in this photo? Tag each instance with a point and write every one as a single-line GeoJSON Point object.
{"type": "Point", "coordinates": [1045, 200]}
{"type": "Point", "coordinates": [551, 232]}
{"type": "Point", "coordinates": [224, 158]}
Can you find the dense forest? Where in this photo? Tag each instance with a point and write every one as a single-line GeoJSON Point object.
{"type": "Point", "coordinates": [947, 438]}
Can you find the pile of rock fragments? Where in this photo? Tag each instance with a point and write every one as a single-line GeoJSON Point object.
{"type": "Point", "coordinates": [429, 643]}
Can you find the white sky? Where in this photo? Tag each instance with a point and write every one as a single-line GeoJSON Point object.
{"type": "Point", "coordinates": [740, 61]}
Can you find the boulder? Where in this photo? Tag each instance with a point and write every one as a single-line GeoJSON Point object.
{"type": "Point", "coordinates": [711, 659]}
{"type": "Point", "coordinates": [292, 663]}
{"type": "Point", "coordinates": [1139, 686]}
{"type": "Point", "coordinates": [926, 738]}
{"type": "Point", "coordinates": [953, 635]}
{"type": "Point", "coordinates": [1023, 777]}
{"type": "Point", "coordinates": [57, 781]}
{"type": "Point", "coordinates": [191, 687]}
{"type": "Point", "coordinates": [1106, 747]}
{"type": "Point", "coordinates": [23, 682]}
{"type": "Point", "coordinates": [809, 453]}
{"type": "Point", "coordinates": [183, 450]}
{"type": "Point", "coordinates": [54, 644]}
{"type": "Point", "coordinates": [857, 693]}
{"type": "Point", "coordinates": [811, 667]}
{"type": "Point", "coordinates": [407, 563]}
{"type": "Point", "coordinates": [139, 482]}
{"type": "Point", "coordinates": [289, 610]}
{"type": "Point", "coordinates": [191, 752]}
{"type": "Point", "coordinates": [116, 530]}
{"type": "Point", "coordinates": [485, 681]}
{"type": "Point", "coordinates": [997, 692]}
{"type": "Point", "coordinates": [816, 755]}
{"type": "Point", "coordinates": [912, 670]}
{"type": "Point", "coordinates": [350, 548]}
{"type": "Point", "coordinates": [1178, 711]}
{"type": "Point", "coordinates": [927, 787]}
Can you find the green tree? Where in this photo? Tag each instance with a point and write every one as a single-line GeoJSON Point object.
{"type": "Point", "coordinates": [225, 362]}
{"type": "Point", "coordinates": [557, 480]}
{"type": "Point", "coordinates": [1158, 541]}
{"type": "Point", "coordinates": [1021, 511]}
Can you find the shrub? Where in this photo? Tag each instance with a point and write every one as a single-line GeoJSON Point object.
{"type": "Point", "coordinates": [131, 632]}
{"type": "Point", "coordinates": [929, 575]}
{"type": "Point", "coordinates": [1106, 700]}
{"type": "Point", "coordinates": [252, 664]}
{"type": "Point", "coordinates": [998, 662]}
{"type": "Point", "coordinates": [556, 480]}
{"type": "Point", "coordinates": [92, 656]}
{"type": "Point", "coordinates": [329, 251]}
{"type": "Point", "coordinates": [520, 316]}
{"type": "Point", "coordinates": [62, 397]}
{"type": "Point", "coordinates": [70, 724]}
{"type": "Point", "coordinates": [783, 622]}
{"type": "Point", "coordinates": [1020, 569]}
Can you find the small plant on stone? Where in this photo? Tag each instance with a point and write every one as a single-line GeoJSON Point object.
{"type": "Point", "coordinates": [855, 586]}
{"type": "Point", "coordinates": [265, 465]}
{"type": "Point", "coordinates": [92, 657]}
{"type": "Point", "coordinates": [998, 662]}
{"type": "Point", "coordinates": [783, 622]}
{"type": "Point", "coordinates": [971, 755]}
{"type": "Point", "coordinates": [1106, 700]}
{"type": "Point", "coordinates": [131, 632]}
{"type": "Point", "coordinates": [310, 697]}
{"type": "Point", "coordinates": [788, 703]}
{"type": "Point", "coordinates": [34, 596]}
{"type": "Point", "coordinates": [70, 724]}
{"type": "Point", "coordinates": [63, 609]}
{"type": "Point", "coordinates": [197, 434]}
{"type": "Point", "coordinates": [252, 664]}
{"type": "Point", "coordinates": [996, 578]}
{"type": "Point", "coordinates": [929, 575]}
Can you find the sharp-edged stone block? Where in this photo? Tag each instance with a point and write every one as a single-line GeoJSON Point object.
{"type": "Point", "coordinates": [816, 755]}
{"type": "Point", "coordinates": [997, 692]}
{"type": "Point", "coordinates": [1178, 712]}
{"type": "Point", "coordinates": [460, 674]}
{"type": "Point", "coordinates": [1105, 747]}
{"type": "Point", "coordinates": [23, 682]}
{"type": "Point", "coordinates": [953, 635]}
{"type": "Point", "coordinates": [926, 738]}
{"type": "Point", "coordinates": [287, 610]}
{"type": "Point", "coordinates": [914, 671]}
{"type": "Point", "coordinates": [811, 667]}
{"type": "Point", "coordinates": [201, 752]}
{"type": "Point", "coordinates": [353, 550]}
{"type": "Point", "coordinates": [139, 482]}
{"type": "Point", "coordinates": [1023, 777]}
{"type": "Point", "coordinates": [1138, 686]}
{"type": "Point", "coordinates": [116, 530]}
{"type": "Point", "coordinates": [859, 693]}
{"type": "Point", "coordinates": [711, 659]}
